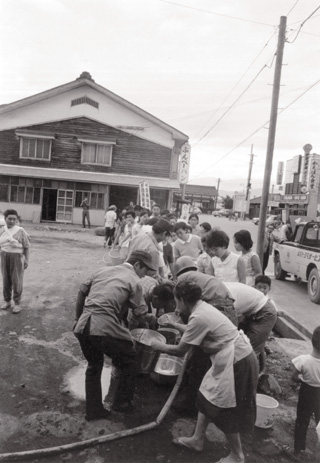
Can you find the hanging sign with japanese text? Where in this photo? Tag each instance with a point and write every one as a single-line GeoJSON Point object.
{"type": "Point", "coordinates": [184, 163]}
{"type": "Point", "coordinates": [144, 193]}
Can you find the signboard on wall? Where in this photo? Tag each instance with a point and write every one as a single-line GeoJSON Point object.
{"type": "Point", "coordinates": [144, 195]}
{"type": "Point", "coordinates": [184, 163]}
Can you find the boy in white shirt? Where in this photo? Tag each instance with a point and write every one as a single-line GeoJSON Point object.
{"type": "Point", "coordinates": [307, 371]}
{"type": "Point", "coordinates": [109, 225]}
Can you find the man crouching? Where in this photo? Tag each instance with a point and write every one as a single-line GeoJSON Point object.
{"type": "Point", "coordinates": [101, 311]}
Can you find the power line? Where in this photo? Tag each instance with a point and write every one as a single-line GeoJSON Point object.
{"type": "Point", "coordinates": [215, 13]}
{"type": "Point", "coordinates": [257, 130]}
{"type": "Point", "coordinates": [303, 23]}
{"type": "Point", "coordinates": [234, 103]}
{"type": "Point", "coordinates": [225, 99]}
{"type": "Point", "coordinates": [292, 7]}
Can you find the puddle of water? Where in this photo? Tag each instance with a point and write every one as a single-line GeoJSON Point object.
{"type": "Point", "coordinates": [74, 381]}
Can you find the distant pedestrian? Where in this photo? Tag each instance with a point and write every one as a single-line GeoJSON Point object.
{"type": "Point", "coordinates": [110, 223]}
{"type": "Point", "coordinates": [307, 372]}
{"type": "Point", "coordinates": [243, 243]}
{"type": "Point", "coordinates": [14, 245]}
{"type": "Point", "coordinates": [85, 212]}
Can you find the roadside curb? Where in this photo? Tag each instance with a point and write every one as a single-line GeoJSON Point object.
{"type": "Point", "coordinates": [288, 327]}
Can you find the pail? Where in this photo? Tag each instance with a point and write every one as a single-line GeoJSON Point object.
{"type": "Point", "coordinates": [172, 335]}
{"type": "Point", "coordinates": [115, 256]}
{"type": "Point", "coordinates": [266, 411]}
{"type": "Point", "coordinates": [147, 357]}
{"type": "Point", "coordinates": [167, 369]}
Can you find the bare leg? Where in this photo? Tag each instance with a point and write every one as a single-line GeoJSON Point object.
{"type": "Point", "coordinates": [236, 455]}
{"type": "Point", "coordinates": [195, 442]}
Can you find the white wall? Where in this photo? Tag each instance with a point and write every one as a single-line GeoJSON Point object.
{"type": "Point", "coordinates": [29, 212]}
{"type": "Point", "coordinates": [109, 112]}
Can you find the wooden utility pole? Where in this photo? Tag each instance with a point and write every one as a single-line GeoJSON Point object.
{"type": "Point", "coordinates": [271, 138]}
{"type": "Point", "coordinates": [215, 206]}
{"type": "Point", "coordinates": [249, 175]}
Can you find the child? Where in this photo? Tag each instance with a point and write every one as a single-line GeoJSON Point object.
{"type": "Point", "coordinates": [243, 242]}
{"type": "Point", "coordinates": [307, 371]}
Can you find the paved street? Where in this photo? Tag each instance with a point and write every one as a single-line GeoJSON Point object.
{"type": "Point", "coordinates": [289, 296]}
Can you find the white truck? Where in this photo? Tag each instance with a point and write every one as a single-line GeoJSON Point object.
{"type": "Point", "coordinates": [301, 257]}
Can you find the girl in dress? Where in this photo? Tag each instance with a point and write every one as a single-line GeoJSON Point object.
{"type": "Point", "coordinates": [243, 243]}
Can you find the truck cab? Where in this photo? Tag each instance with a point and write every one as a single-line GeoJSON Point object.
{"type": "Point", "coordinates": [301, 257]}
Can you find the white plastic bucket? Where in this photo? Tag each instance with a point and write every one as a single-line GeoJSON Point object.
{"type": "Point", "coordinates": [266, 411]}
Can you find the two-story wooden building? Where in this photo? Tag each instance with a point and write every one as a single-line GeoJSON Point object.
{"type": "Point", "coordinates": [77, 140]}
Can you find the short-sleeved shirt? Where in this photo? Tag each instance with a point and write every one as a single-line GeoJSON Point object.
{"type": "Point", "coordinates": [192, 247]}
{"type": "Point", "coordinates": [247, 300]}
{"type": "Point", "coordinates": [226, 270]}
{"type": "Point", "coordinates": [19, 234]}
{"type": "Point", "coordinates": [211, 287]}
{"type": "Point", "coordinates": [110, 292]}
{"type": "Point", "coordinates": [110, 219]}
{"type": "Point", "coordinates": [209, 329]}
{"type": "Point", "coordinates": [309, 368]}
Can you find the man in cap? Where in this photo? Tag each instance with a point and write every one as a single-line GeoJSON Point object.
{"type": "Point", "coordinates": [101, 310]}
{"type": "Point", "coordinates": [150, 242]}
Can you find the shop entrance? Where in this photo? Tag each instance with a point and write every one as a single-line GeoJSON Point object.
{"type": "Point", "coordinates": [121, 196]}
{"type": "Point", "coordinates": [49, 205]}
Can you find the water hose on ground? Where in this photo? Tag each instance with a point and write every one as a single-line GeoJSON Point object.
{"type": "Point", "coordinates": [18, 456]}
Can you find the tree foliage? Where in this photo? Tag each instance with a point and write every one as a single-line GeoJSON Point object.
{"type": "Point", "coordinates": [227, 202]}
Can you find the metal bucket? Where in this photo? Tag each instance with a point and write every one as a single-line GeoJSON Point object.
{"type": "Point", "coordinates": [167, 369]}
{"type": "Point", "coordinates": [147, 357]}
{"type": "Point", "coordinates": [266, 411]}
{"type": "Point", "coordinates": [172, 335]}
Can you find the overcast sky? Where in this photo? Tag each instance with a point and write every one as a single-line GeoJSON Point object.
{"type": "Point", "coordinates": [186, 62]}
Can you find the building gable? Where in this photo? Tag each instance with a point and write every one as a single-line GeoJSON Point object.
{"type": "Point", "coordinates": [84, 98]}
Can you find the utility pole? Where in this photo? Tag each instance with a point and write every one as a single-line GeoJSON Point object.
{"type": "Point", "coordinates": [271, 137]}
{"type": "Point", "coordinates": [249, 174]}
{"type": "Point", "coordinates": [215, 206]}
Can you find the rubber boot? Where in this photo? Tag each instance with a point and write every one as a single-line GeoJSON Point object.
{"type": "Point", "coordinates": [111, 397]}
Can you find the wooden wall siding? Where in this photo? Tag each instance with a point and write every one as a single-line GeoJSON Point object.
{"type": "Point", "coordinates": [131, 155]}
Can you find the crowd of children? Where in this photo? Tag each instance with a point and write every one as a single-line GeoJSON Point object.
{"type": "Point", "coordinates": [233, 283]}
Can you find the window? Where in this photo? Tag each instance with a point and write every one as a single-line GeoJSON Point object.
{"type": "Point", "coordinates": [35, 148]}
{"type": "Point", "coordinates": [96, 153]}
{"type": "Point", "coordinates": [96, 200]}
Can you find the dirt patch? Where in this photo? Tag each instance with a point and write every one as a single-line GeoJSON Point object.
{"type": "Point", "coordinates": [38, 350]}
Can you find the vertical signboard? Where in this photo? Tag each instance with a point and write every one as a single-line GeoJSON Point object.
{"type": "Point", "coordinates": [313, 180]}
{"type": "Point", "coordinates": [307, 149]}
{"type": "Point", "coordinates": [280, 173]}
{"type": "Point", "coordinates": [144, 193]}
{"type": "Point", "coordinates": [184, 163]}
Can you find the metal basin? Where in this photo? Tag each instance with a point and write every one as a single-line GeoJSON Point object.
{"type": "Point", "coordinates": [167, 369]}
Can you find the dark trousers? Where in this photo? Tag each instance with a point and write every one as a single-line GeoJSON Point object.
{"type": "Point", "coordinates": [123, 357]}
{"type": "Point", "coordinates": [308, 404]}
{"type": "Point", "coordinates": [259, 326]}
{"type": "Point", "coordinates": [85, 215]}
{"type": "Point", "coordinates": [109, 234]}
{"type": "Point", "coordinates": [12, 275]}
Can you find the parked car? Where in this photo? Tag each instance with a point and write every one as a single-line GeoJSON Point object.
{"type": "Point", "coordinates": [196, 210]}
{"type": "Point", "coordinates": [224, 212]}
{"type": "Point", "coordinates": [271, 220]}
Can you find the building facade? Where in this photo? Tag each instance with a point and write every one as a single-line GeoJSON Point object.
{"type": "Point", "coordinates": [81, 140]}
{"type": "Point", "coordinates": [204, 197]}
